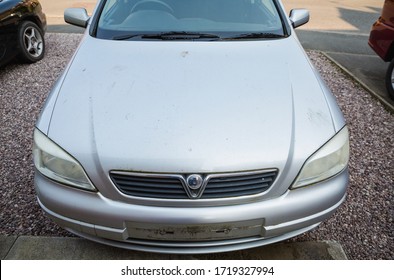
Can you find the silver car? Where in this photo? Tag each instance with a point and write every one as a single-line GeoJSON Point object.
{"type": "Point", "coordinates": [190, 126]}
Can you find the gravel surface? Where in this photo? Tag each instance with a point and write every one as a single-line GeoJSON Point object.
{"type": "Point", "coordinates": [363, 225]}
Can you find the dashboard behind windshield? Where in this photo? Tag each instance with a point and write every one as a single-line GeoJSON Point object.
{"type": "Point", "coordinates": [221, 17]}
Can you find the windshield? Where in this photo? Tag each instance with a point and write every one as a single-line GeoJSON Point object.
{"type": "Point", "coordinates": [189, 19]}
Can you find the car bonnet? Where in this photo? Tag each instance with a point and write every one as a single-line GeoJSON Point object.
{"type": "Point", "coordinates": [183, 106]}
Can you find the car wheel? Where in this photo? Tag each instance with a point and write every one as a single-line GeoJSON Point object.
{"type": "Point", "coordinates": [31, 42]}
{"type": "Point", "coordinates": [390, 79]}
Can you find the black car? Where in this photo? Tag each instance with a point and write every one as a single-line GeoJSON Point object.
{"type": "Point", "coordinates": [22, 29]}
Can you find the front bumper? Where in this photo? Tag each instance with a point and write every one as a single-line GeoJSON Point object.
{"type": "Point", "coordinates": [119, 224]}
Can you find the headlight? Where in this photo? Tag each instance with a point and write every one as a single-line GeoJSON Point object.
{"type": "Point", "coordinates": [56, 164]}
{"type": "Point", "coordinates": [328, 161]}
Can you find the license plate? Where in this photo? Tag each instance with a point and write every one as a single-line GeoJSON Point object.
{"type": "Point", "coordinates": [200, 232]}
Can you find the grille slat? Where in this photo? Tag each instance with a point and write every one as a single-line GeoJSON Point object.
{"type": "Point", "coordinates": [152, 190]}
{"type": "Point", "coordinates": [144, 179]}
{"type": "Point", "coordinates": [235, 189]}
{"type": "Point", "coordinates": [242, 178]}
{"type": "Point", "coordinates": [166, 187]}
{"type": "Point", "coordinates": [161, 196]}
{"type": "Point", "coordinates": [238, 183]}
{"type": "Point", "coordinates": [230, 194]}
{"type": "Point", "coordinates": [147, 184]}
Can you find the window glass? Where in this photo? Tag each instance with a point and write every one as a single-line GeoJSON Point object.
{"type": "Point", "coordinates": [214, 16]}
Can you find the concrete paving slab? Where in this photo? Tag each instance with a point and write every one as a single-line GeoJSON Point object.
{"type": "Point", "coordinates": [311, 250]}
{"type": "Point", "coordinates": [69, 248]}
{"type": "Point", "coordinates": [335, 42]}
{"type": "Point", "coordinates": [6, 243]}
{"type": "Point", "coordinates": [64, 28]}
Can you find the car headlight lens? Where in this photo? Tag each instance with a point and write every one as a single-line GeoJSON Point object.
{"type": "Point", "coordinates": [328, 161]}
{"type": "Point", "coordinates": [56, 164]}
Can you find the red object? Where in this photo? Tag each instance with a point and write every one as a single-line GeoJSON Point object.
{"type": "Point", "coordinates": [381, 38]}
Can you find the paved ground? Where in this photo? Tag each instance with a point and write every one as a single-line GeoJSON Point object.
{"type": "Point", "coordinates": [70, 248]}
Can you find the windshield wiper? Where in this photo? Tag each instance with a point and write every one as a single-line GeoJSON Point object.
{"type": "Point", "coordinates": [172, 35]}
{"type": "Point", "coordinates": [126, 37]}
{"type": "Point", "coordinates": [254, 35]}
{"type": "Point", "coordinates": [181, 35]}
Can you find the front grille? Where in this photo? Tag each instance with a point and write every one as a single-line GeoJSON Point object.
{"type": "Point", "coordinates": [153, 187]}
{"type": "Point", "coordinates": [173, 186]}
{"type": "Point", "coordinates": [233, 186]}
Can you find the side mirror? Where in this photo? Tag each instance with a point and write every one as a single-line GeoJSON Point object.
{"type": "Point", "coordinates": [76, 16]}
{"type": "Point", "coordinates": [299, 17]}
